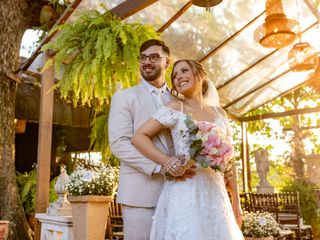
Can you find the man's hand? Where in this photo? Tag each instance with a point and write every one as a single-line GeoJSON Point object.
{"type": "Point", "coordinates": [189, 173]}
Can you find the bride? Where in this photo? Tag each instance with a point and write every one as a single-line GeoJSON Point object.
{"type": "Point", "coordinates": [199, 207]}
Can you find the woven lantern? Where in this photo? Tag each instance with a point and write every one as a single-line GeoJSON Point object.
{"type": "Point", "coordinates": [277, 31]}
{"type": "Point", "coordinates": [302, 57]}
{"type": "Point", "coordinates": [206, 3]}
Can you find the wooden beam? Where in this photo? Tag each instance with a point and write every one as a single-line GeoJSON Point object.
{"type": "Point", "coordinates": [230, 38]}
{"type": "Point", "coordinates": [130, 7]}
{"type": "Point", "coordinates": [44, 143]}
{"type": "Point", "coordinates": [245, 158]}
{"type": "Point", "coordinates": [175, 17]}
{"type": "Point", "coordinates": [279, 95]}
{"type": "Point", "coordinates": [256, 89]}
{"type": "Point", "coordinates": [280, 114]}
{"type": "Point", "coordinates": [301, 128]}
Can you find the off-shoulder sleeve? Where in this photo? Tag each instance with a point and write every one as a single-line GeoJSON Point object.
{"type": "Point", "coordinates": [166, 116]}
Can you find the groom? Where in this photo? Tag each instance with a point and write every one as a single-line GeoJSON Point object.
{"type": "Point", "coordinates": [140, 179]}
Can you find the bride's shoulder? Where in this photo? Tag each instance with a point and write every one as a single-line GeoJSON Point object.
{"type": "Point", "coordinates": [174, 104]}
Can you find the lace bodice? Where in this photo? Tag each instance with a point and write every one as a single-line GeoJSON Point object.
{"type": "Point", "coordinates": [175, 120]}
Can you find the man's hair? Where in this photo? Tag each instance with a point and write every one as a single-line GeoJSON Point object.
{"type": "Point", "coordinates": [154, 42]}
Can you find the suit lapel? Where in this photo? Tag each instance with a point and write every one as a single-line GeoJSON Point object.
{"type": "Point", "coordinates": [152, 106]}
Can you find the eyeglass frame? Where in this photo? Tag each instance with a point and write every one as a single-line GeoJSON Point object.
{"type": "Point", "coordinates": [150, 56]}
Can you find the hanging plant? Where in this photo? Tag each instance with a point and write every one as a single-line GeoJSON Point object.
{"type": "Point", "coordinates": [96, 53]}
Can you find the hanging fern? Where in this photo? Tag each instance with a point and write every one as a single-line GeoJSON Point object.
{"type": "Point", "coordinates": [95, 53]}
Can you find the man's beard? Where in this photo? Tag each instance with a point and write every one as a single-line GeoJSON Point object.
{"type": "Point", "coordinates": [151, 77]}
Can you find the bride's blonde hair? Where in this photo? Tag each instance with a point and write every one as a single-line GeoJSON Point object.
{"type": "Point", "coordinates": [198, 72]}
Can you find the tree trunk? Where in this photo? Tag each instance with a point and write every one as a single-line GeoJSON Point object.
{"type": "Point", "coordinates": [15, 17]}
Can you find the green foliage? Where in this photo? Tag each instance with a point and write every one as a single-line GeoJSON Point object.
{"type": "Point", "coordinates": [27, 188]}
{"type": "Point", "coordinates": [99, 138]}
{"type": "Point", "coordinates": [101, 52]}
{"type": "Point", "coordinates": [308, 202]}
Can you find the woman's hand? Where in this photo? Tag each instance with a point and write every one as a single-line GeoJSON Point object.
{"type": "Point", "coordinates": [174, 167]}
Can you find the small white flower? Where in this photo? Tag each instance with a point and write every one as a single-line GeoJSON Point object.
{"type": "Point", "coordinates": [263, 221]}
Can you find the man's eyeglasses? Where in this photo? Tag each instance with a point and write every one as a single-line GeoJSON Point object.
{"type": "Point", "coordinates": [154, 57]}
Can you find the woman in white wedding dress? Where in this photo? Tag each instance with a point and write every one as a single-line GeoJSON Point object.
{"type": "Point", "coordinates": [198, 208]}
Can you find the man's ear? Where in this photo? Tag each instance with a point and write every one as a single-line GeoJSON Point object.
{"type": "Point", "coordinates": [168, 61]}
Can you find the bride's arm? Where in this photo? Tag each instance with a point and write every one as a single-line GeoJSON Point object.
{"type": "Point", "coordinates": [142, 140]}
{"type": "Point", "coordinates": [234, 191]}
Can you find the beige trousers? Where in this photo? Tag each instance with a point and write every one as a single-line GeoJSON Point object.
{"type": "Point", "coordinates": [137, 222]}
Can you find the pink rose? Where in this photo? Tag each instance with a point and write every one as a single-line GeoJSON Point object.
{"type": "Point", "coordinates": [213, 141]}
{"type": "Point", "coordinates": [204, 126]}
{"type": "Point", "coordinates": [226, 150]}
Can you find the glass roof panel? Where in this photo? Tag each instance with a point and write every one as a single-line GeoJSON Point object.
{"type": "Point", "coordinates": [269, 92]}
{"type": "Point", "coordinates": [265, 71]}
{"type": "Point", "coordinates": [243, 51]}
{"type": "Point", "coordinates": [198, 31]}
{"type": "Point", "coordinates": [158, 13]}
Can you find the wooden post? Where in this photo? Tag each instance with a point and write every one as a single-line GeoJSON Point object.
{"type": "Point", "coordinates": [245, 158]}
{"type": "Point", "coordinates": [44, 143]}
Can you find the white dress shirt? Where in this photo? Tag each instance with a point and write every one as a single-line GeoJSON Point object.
{"type": "Point", "coordinates": [161, 96]}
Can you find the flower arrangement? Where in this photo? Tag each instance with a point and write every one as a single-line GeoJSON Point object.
{"type": "Point", "coordinates": [103, 181]}
{"type": "Point", "coordinates": [208, 145]}
{"type": "Point", "coordinates": [259, 224]}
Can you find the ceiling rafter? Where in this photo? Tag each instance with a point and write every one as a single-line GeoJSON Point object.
{"type": "Point", "coordinates": [123, 10]}
{"type": "Point", "coordinates": [175, 17]}
{"type": "Point", "coordinates": [279, 114]}
{"type": "Point", "coordinates": [256, 88]}
{"type": "Point", "coordinates": [130, 7]}
{"type": "Point", "coordinates": [277, 96]}
{"type": "Point", "coordinates": [230, 38]}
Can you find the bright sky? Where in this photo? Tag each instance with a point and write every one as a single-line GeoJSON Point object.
{"type": "Point", "coordinates": [28, 43]}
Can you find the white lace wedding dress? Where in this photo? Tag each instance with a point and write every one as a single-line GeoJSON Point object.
{"type": "Point", "coordinates": [198, 208]}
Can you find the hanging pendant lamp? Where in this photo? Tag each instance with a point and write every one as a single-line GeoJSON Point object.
{"type": "Point", "coordinates": [277, 31]}
{"type": "Point", "coordinates": [302, 57]}
{"type": "Point", "coordinates": [206, 3]}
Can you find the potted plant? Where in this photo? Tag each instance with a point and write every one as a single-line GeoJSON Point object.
{"type": "Point", "coordinates": [27, 184]}
{"type": "Point", "coordinates": [4, 229]}
{"type": "Point", "coordinates": [90, 193]}
{"type": "Point", "coordinates": [259, 226]}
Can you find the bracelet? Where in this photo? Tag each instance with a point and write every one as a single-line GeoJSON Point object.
{"type": "Point", "coordinates": [170, 163]}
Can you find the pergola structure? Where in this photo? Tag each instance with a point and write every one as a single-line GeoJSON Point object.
{"type": "Point", "coordinates": [246, 74]}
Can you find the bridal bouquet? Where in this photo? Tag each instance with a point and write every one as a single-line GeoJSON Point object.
{"type": "Point", "coordinates": [208, 145]}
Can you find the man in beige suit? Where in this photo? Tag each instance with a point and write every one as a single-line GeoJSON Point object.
{"type": "Point", "coordinates": [140, 179]}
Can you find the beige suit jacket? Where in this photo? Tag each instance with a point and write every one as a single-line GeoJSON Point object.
{"type": "Point", "coordinates": [129, 109]}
